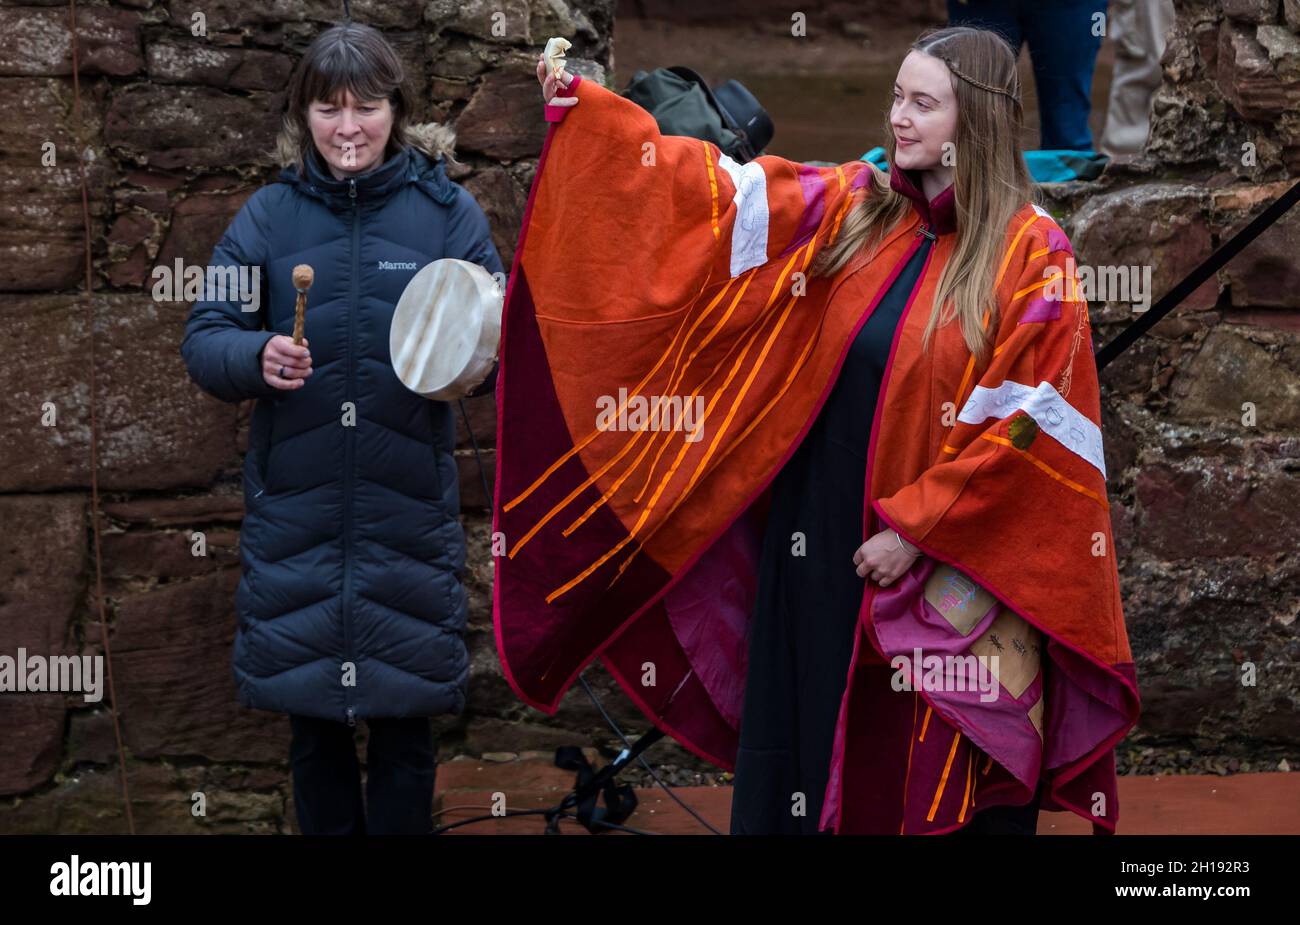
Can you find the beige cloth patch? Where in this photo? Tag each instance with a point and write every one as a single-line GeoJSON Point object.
{"type": "Point", "coordinates": [956, 596]}
{"type": "Point", "coordinates": [1016, 645]}
{"type": "Point", "coordinates": [1036, 716]}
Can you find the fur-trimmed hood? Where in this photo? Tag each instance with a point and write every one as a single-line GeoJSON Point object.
{"type": "Point", "coordinates": [434, 139]}
{"type": "Point", "coordinates": [423, 162]}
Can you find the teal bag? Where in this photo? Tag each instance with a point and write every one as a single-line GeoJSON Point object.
{"type": "Point", "coordinates": [1044, 166]}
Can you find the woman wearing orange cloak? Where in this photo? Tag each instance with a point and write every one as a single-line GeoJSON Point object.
{"type": "Point", "coordinates": [854, 546]}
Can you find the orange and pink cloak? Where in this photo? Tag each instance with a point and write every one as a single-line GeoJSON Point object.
{"type": "Point", "coordinates": [651, 265]}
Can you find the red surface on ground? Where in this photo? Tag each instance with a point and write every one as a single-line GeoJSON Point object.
{"type": "Point", "coordinates": [1243, 804]}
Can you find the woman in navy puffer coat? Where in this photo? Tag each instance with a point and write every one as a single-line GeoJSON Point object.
{"type": "Point", "coordinates": [350, 604]}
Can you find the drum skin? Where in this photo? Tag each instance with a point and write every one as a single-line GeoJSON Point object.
{"type": "Point", "coordinates": [446, 329]}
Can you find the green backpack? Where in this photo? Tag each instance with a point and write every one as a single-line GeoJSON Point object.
{"type": "Point", "coordinates": [682, 103]}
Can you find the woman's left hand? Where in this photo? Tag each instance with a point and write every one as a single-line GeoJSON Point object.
{"type": "Point", "coordinates": [882, 559]}
{"type": "Point", "coordinates": [550, 84]}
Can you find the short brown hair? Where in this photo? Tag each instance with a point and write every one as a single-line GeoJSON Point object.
{"type": "Point", "coordinates": [349, 57]}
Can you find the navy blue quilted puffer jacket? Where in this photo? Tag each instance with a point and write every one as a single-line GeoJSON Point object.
{"type": "Point", "coordinates": [350, 604]}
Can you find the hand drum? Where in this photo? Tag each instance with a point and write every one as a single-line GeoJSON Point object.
{"type": "Point", "coordinates": [446, 328]}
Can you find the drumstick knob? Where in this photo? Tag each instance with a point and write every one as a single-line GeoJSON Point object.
{"type": "Point", "coordinates": [302, 279]}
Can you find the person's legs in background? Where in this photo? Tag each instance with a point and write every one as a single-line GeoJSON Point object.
{"type": "Point", "coordinates": [1064, 37]}
{"type": "Point", "coordinates": [1001, 16]}
{"type": "Point", "coordinates": [401, 765]}
{"type": "Point", "coordinates": [326, 777]}
{"type": "Point", "coordinates": [1139, 28]}
{"type": "Point", "coordinates": [1063, 51]}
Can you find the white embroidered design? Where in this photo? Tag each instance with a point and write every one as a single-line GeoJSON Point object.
{"type": "Point", "coordinates": [1053, 414]}
{"type": "Point", "coordinates": [1067, 377]}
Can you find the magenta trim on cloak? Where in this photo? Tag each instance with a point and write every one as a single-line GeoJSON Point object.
{"type": "Point", "coordinates": [558, 112]}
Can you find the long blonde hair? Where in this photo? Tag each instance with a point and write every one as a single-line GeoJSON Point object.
{"type": "Point", "coordinates": [990, 183]}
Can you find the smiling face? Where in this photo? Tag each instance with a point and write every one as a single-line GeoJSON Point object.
{"type": "Point", "coordinates": [924, 114]}
{"type": "Point", "coordinates": [350, 135]}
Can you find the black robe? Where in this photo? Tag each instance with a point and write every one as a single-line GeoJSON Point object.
{"type": "Point", "coordinates": [801, 636]}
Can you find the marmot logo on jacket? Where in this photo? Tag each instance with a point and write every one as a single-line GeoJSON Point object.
{"type": "Point", "coordinates": [398, 265]}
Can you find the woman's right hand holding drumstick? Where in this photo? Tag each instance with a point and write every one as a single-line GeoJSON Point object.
{"type": "Point", "coordinates": [286, 361]}
{"type": "Point", "coordinates": [285, 365]}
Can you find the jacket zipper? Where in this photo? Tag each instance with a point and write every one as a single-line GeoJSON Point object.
{"type": "Point", "coordinates": [349, 440]}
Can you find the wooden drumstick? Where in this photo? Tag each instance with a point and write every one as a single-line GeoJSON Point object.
{"type": "Point", "coordinates": [303, 275]}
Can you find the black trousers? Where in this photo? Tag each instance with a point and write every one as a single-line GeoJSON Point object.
{"type": "Point", "coordinates": [1005, 820]}
{"type": "Point", "coordinates": [400, 769]}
